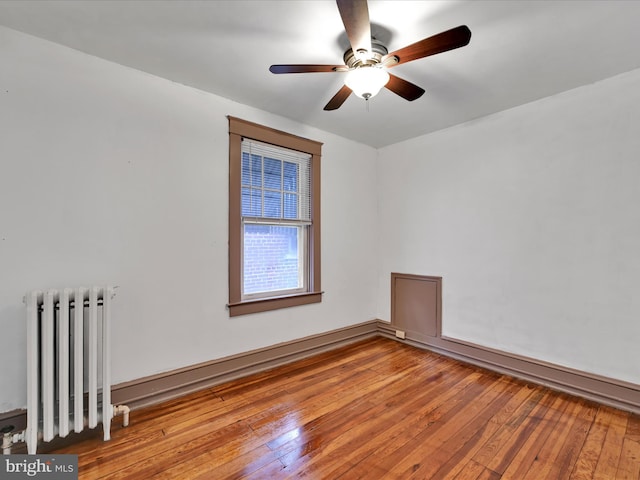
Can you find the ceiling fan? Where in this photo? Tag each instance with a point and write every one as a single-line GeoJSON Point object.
{"type": "Point", "coordinates": [367, 61]}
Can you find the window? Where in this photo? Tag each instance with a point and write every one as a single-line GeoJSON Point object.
{"type": "Point", "coordinates": [274, 219]}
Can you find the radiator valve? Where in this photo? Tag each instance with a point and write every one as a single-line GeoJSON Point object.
{"type": "Point", "coordinates": [7, 439]}
{"type": "Point", "coordinates": [124, 411]}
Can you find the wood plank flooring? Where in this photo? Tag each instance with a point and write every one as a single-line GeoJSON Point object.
{"type": "Point", "coordinates": [376, 409]}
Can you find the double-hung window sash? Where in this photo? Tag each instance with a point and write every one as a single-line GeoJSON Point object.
{"type": "Point", "coordinates": [276, 216]}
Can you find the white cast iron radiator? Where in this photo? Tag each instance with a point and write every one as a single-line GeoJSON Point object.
{"type": "Point", "coordinates": [68, 363]}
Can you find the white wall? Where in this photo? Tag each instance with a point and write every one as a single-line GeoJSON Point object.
{"type": "Point", "coordinates": [532, 217]}
{"type": "Point", "coordinates": [112, 176]}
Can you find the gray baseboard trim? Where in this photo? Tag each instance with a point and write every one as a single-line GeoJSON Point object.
{"type": "Point", "coordinates": [158, 388]}
{"type": "Point", "coordinates": [604, 390]}
{"type": "Point", "coordinates": [155, 389]}
{"type": "Point", "coordinates": [166, 386]}
{"type": "Point", "coordinates": [16, 420]}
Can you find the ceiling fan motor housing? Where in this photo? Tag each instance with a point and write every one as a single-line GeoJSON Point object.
{"type": "Point", "coordinates": [355, 60]}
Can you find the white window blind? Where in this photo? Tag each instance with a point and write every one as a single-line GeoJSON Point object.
{"type": "Point", "coordinates": [275, 184]}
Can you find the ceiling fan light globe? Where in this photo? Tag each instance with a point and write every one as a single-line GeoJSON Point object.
{"type": "Point", "coordinates": [366, 81]}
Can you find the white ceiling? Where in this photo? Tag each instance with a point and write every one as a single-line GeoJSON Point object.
{"type": "Point", "coordinates": [520, 51]}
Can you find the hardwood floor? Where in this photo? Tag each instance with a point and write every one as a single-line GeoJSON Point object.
{"type": "Point", "coordinates": [377, 409]}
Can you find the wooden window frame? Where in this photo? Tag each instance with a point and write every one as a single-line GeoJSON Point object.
{"type": "Point", "coordinates": [238, 129]}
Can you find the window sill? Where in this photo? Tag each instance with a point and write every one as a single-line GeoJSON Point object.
{"type": "Point", "coordinates": [274, 303]}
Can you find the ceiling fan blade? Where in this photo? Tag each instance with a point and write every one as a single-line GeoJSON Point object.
{"type": "Point", "coordinates": [306, 68]}
{"type": "Point", "coordinates": [355, 16]}
{"type": "Point", "coordinates": [442, 42]}
{"type": "Point", "coordinates": [338, 99]}
{"type": "Point", "coordinates": [406, 90]}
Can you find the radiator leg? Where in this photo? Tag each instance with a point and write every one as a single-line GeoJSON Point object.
{"type": "Point", "coordinates": [106, 428]}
